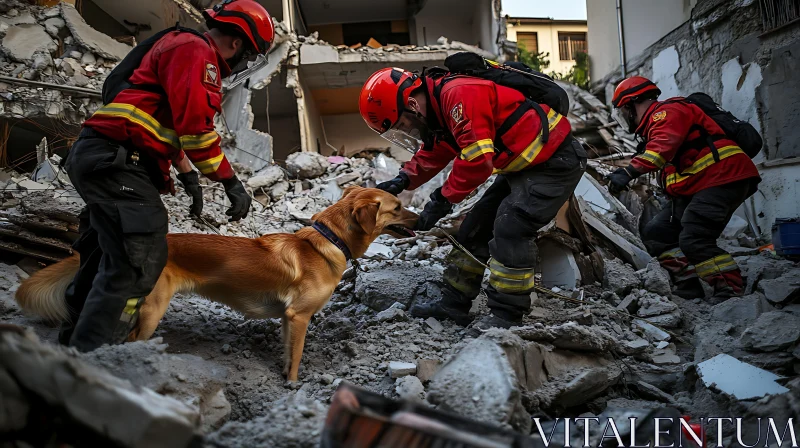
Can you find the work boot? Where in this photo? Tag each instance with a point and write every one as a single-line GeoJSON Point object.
{"type": "Point", "coordinates": [689, 289]}
{"type": "Point", "coordinates": [443, 304]}
{"type": "Point", "coordinates": [489, 321]}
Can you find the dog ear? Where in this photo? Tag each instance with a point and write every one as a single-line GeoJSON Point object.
{"type": "Point", "coordinates": [349, 190]}
{"type": "Point", "coordinates": [366, 214]}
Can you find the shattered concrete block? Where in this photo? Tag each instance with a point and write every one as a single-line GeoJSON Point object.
{"type": "Point", "coordinates": [762, 267]}
{"type": "Point", "coordinates": [88, 59]}
{"type": "Point", "coordinates": [128, 415]}
{"type": "Point", "coordinates": [655, 305]}
{"type": "Point", "coordinates": [619, 277]}
{"type": "Point", "coordinates": [160, 371]}
{"type": "Point", "coordinates": [637, 345]}
{"type": "Point", "coordinates": [345, 179]}
{"type": "Point", "coordinates": [782, 290]}
{"type": "Point", "coordinates": [307, 165]}
{"type": "Point", "coordinates": [667, 357]}
{"type": "Point", "coordinates": [651, 332]}
{"type": "Point", "coordinates": [392, 314]}
{"type": "Point", "coordinates": [54, 25]}
{"type": "Point", "coordinates": [740, 311]}
{"type": "Point", "coordinates": [90, 38]}
{"type": "Point", "coordinates": [772, 331]}
{"type": "Point", "coordinates": [629, 304]}
{"type": "Point", "coordinates": [570, 336]}
{"type": "Point", "coordinates": [410, 388]}
{"type": "Point", "coordinates": [381, 287]}
{"type": "Point", "coordinates": [669, 320]}
{"type": "Point", "coordinates": [587, 385]}
{"type": "Point", "coordinates": [22, 41]}
{"type": "Point", "coordinates": [427, 368]}
{"type": "Point", "coordinates": [398, 369]}
{"type": "Point", "coordinates": [740, 380]}
{"type": "Point", "coordinates": [479, 383]}
{"type": "Point", "coordinates": [71, 67]}
{"type": "Point", "coordinates": [25, 18]}
{"type": "Point", "coordinates": [434, 324]}
{"type": "Point", "coordinates": [655, 279]}
{"type": "Point", "coordinates": [267, 177]}
{"type": "Point", "coordinates": [279, 190]}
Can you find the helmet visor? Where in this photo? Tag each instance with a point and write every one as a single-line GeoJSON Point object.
{"type": "Point", "coordinates": [408, 133]}
{"type": "Point", "coordinates": [622, 116]}
{"type": "Point", "coordinates": [403, 140]}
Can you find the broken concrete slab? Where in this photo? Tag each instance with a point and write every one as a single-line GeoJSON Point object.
{"type": "Point", "coordinates": [764, 266]}
{"type": "Point", "coordinates": [163, 373]}
{"type": "Point", "coordinates": [742, 381]}
{"type": "Point", "coordinates": [633, 347]}
{"type": "Point", "coordinates": [410, 388]}
{"type": "Point", "coordinates": [665, 356]}
{"type": "Point", "coordinates": [669, 320]}
{"type": "Point", "coordinates": [380, 288]}
{"type": "Point", "coordinates": [772, 331]}
{"type": "Point", "coordinates": [651, 332]}
{"type": "Point", "coordinates": [734, 228]}
{"type": "Point", "coordinates": [619, 277]}
{"type": "Point", "coordinates": [654, 305]}
{"type": "Point", "coordinates": [90, 38]}
{"type": "Point", "coordinates": [630, 252]}
{"type": "Point", "coordinates": [427, 368]}
{"type": "Point", "coordinates": [655, 279]}
{"type": "Point", "coordinates": [782, 290]}
{"type": "Point", "coordinates": [379, 251]}
{"type": "Point", "coordinates": [740, 311]}
{"type": "Point", "coordinates": [23, 41]}
{"type": "Point", "coordinates": [570, 336]}
{"type": "Point", "coordinates": [307, 165]}
{"type": "Point", "coordinates": [587, 385]}
{"type": "Point", "coordinates": [434, 324]}
{"type": "Point", "coordinates": [650, 392]}
{"type": "Point", "coordinates": [391, 314]}
{"type": "Point", "coordinates": [399, 369]}
{"type": "Point", "coordinates": [559, 267]}
{"type": "Point", "coordinates": [109, 408]}
{"type": "Point", "coordinates": [24, 18]}
{"type": "Point", "coordinates": [478, 382]}
{"type": "Point", "coordinates": [267, 177]}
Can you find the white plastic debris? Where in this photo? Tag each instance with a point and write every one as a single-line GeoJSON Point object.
{"type": "Point", "coordinates": [739, 379]}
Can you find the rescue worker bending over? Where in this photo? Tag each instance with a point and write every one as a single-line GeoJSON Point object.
{"type": "Point", "coordinates": [120, 165]}
{"type": "Point", "coordinates": [706, 175]}
{"type": "Point", "coordinates": [473, 121]}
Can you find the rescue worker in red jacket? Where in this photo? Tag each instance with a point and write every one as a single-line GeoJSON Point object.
{"type": "Point", "coordinates": [537, 172]}
{"type": "Point", "coordinates": [162, 117]}
{"type": "Point", "coordinates": [706, 175]}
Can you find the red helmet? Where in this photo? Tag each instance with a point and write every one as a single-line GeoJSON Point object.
{"type": "Point", "coordinates": [385, 96]}
{"type": "Point", "coordinates": [250, 17]}
{"type": "Point", "coordinates": [631, 88]}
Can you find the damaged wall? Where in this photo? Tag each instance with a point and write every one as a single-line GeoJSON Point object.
{"type": "Point", "coordinates": [724, 52]}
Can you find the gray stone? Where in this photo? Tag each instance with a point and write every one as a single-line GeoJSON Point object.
{"type": "Point", "coordinates": [662, 344]}
{"type": "Point", "coordinates": [307, 165]}
{"type": "Point", "coordinates": [383, 286]}
{"type": "Point", "coordinates": [74, 54]}
{"type": "Point", "coordinates": [666, 358]}
{"type": "Point", "coordinates": [772, 331]}
{"type": "Point", "coordinates": [279, 190]}
{"type": "Point", "coordinates": [267, 177]}
{"type": "Point", "coordinates": [570, 336]}
{"type": "Point", "coordinates": [762, 267]}
{"type": "Point", "coordinates": [398, 369]}
{"type": "Point", "coordinates": [782, 290]}
{"type": "Point", "coordinates": [42, 61]}
{"type": "Point", "coordinates": [669, 320]}
{"type": "Point", "coordinates": [648, 391]}
{"type": "Point", "coordinates": [71, 66]}
{"type": "Point", "coordinates": [652, 333]}
{"type": "Point", "coordinates": [427, 368]}
{"type": "Point", "coordinates": [20, 19]}
{"type": "Point", "coordinates": [713, 338]}
{"type": "Point", "coordinates": [88, 59]}
{"type": "Point", "coordinates": [636, 346]}
{"type": "Point", "coordinates": [157, 371]}
{"type": "Point", "coordinates": [410, 388]}
{"type": "Point", "coordinates": [479, 383]}
{"type": "Point", "coordinates": [392, 314]}
{"type": "Point", "coordinates": [101, 404]}
{"type": "Point", "coordinates": [655, 279]}
{"type": "Point", "coordinates": [344, 179]}
{"type": "Point", "coordinates": [90, 38]}
{"type": "Point", "coordinates": [54, 26]}
{"type": "Point", "coordinates": [434, 324]}
{"type": "Point", "coordinates": [326, 379]}
{"type": "Point", "coordinates": [629, 304]}
{"type": "Point", "coordinates": [655, 305]}
{"type": "Point", "coordinates": [740, 311]}
{"type": "Point", "coordinates": [587, 385]}
{"type": "Point", "coordinates": [22, 41]}
{"type": "Point", "coordinates": [620, 277]}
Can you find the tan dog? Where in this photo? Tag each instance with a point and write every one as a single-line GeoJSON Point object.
{"type": "Point", "coordinates": [291, 276]}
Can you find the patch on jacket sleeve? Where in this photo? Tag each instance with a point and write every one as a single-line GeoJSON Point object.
{"type": "Point", "coordinates": [457, 113]}
{"type": "Point", "coordinates": [211, 74]}
{"type": "Point", "coordinates": [658, 116]}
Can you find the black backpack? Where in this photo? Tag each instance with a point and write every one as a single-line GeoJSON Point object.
{"type": "Point", "coordinates": [742, 132]}
{"type": "Point", "coordinates": [117, 80]}
{"type": "Point", "coordinates": [537, 87]}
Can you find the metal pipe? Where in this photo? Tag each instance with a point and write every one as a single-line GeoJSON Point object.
{"type": "Point", "coordinates": [47, 85]}
{"type": "Point", "coordinates": [621, 39]}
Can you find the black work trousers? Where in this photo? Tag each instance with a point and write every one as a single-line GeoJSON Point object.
{"type": "Point", "coordinates": [122, 242]}
{"type": "Point", "coordinates": [505, 222]}
{"type": "Point", "coordinates": [694, 223]}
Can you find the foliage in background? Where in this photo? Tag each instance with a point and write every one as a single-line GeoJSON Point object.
{"type": "Point", "coordinates": [579, 74]}
{"type": "Point", "coordinates": [536, 61]}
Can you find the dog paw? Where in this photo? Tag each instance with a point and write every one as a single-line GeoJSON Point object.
{"type": "Point", "coordinates": [293, 385]}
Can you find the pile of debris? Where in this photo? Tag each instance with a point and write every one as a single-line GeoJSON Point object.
{"type": "Point", "coordinates": [55, 50]}
{"type": "Point", "coordinates": [374, 50]}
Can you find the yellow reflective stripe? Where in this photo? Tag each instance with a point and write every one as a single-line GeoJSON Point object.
{"type": "Point", "coordinates": [189, 142]}
{"type": "Point", "coordinates": [130, 306]}
{"type": "Point", "coordinates": [143, 119]}
{"type": "Point", "coordinates": [675, 253]}
{"type": "Point", "coordinates": [510, 276]}
{"type": "Point", "coordinates": [464, 262]}
{"type": "Point", "coordinates": [529, 154]}
{"type": "Point", "coordinates": [476, 149]}
{"type": "Point", "coordinates": [211, 165]}
{"type": "Point", "coordinates": [703, 163]}
{"type": "Point", "coordinates": [716, 265]}
{"type": "Point", "coordinates": [654, 158]}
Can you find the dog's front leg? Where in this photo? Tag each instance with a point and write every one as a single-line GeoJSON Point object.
{"type": "Point", "coordinates": [294, 330]}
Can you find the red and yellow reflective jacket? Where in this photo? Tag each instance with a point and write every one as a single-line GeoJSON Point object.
{"type": "Point", "coordinates": [676, 143]}
{"type": "Point", "coordinates": [180, 123]}
{"type": "Point", "coordinates": [472, 110]}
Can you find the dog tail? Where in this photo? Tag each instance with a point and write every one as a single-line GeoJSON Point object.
{"type": "Point", "coordinates": [43, 294]}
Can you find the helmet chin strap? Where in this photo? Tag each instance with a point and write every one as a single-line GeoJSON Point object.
{"type": "Point", "coordinates": [240, 77]}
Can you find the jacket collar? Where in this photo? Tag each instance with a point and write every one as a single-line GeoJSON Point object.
{"type": "Point", "coordinates": [330, 236]}
{"type": "Point", "coordinates": [224, 69]}
{"type": "Point", "coordinates": [646, 118]}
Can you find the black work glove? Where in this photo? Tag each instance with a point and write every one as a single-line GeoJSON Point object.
{"type": "Point", "coordinates": [240, 200]}
{"type": "Point", "coordinates": [619, 179]}
{"type": "Point", "coordinates": [396, 185]}
{"type": "Point", "coordinates": [191, 183]}
{"type": "Point", "coordinates": [437, 208]}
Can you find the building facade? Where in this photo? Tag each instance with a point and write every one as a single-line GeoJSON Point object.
{"type": "Point", "coordinates": [559, 39]}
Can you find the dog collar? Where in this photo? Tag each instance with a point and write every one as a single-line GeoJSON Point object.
{"type": "Point", "coordinates": [330, 236]}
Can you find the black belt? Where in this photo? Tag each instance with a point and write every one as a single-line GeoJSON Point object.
{"type": "Point", "coordinates": [133, 155]}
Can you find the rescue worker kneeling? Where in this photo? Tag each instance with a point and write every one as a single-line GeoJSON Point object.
{"type": "Point", "coordinates": [704, 172]}
{"type": "Point", "coordinates": [486, 128]}
{"type": "Point", "coordinates": [160, 115]}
